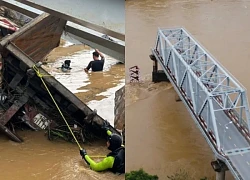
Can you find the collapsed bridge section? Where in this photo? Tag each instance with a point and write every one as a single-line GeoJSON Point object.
{"type": "Point", "coordinates": [23, 96]}
{"type": "Point", "coordinates": [80, 31]}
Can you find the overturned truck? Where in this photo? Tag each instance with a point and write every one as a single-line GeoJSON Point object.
{"type": "Point", "coordinates": [24, 99]}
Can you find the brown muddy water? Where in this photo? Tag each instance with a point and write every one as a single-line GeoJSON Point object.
{"type": "Point", "coordinates": [161, 135]}
{"type": "Point", "coordinates": [39, 158]}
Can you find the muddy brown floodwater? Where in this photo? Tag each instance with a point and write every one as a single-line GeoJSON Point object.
{"type": "Point", "coordinates": [161, 135]}
{"type": "Point", "coordinates": [39, 158]}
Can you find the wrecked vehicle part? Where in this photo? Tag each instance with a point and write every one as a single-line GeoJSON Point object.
{"type": "Point", "coordinates": [62, 132]}
{"type": "Point", "coordinates": [24, 87]}
{"type": "Point", "coordinates": [80, 130]}
{"type": "Point", "coordinates": [34, 93]}
{"type": "Point", "coordinates": [13, 136]}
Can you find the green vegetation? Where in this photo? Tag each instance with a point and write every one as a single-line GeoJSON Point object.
{"type": "Point", "coordinates": [142, 175]}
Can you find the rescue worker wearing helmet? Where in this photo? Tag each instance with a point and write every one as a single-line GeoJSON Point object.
{"type": "Point", "coordinates": [115, 160]}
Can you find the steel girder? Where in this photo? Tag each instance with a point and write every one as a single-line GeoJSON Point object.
{"type": "Point", "coordinates": [213, 96]}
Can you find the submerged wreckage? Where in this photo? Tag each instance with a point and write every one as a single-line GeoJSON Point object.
{"type": "Point", "coordinates": [24, 99]}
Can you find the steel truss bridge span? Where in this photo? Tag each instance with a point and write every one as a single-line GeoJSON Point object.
{"type": "Point", "coordinates": [216, 100]}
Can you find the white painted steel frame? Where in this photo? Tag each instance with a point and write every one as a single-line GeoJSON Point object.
{"type": "Point", "coordinates": [177, 47]}
{"type": "Point", "coordinates": [193, 72]}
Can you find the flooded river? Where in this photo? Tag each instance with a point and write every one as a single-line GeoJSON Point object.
{"type": "Point", "coordinates": [164, 138]}
{"type": "Point", "coordinates": [39, 158]}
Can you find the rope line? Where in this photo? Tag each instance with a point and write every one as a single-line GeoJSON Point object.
{"type": "Point", "coordinates": [41, 77]}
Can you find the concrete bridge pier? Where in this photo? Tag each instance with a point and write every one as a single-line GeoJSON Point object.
{"type": "Point", "coordinates": [221, 175]}
{"type": "Point", "coordinates": [160, 75]}
{"type": "Point", "coordinates": [157, 75]}
{"type": "Point", "coordinates": [220, 169]}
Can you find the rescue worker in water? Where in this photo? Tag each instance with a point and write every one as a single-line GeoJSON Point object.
{"type": "Point", "coordinates": [96, 64]}
{"type": "Point", "coordinates": [115, 160]}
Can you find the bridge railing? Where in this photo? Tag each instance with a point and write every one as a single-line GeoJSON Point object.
{"type": "Point", "coordinates": [205, 85]}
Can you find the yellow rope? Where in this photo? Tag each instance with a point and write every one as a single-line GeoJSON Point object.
{"type": "Point", "coordinates": [41, 77]}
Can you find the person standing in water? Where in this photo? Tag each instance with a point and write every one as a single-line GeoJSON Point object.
{"type": "Point", "coordinates": [115, 160]}
{"type": "Point", "coordinates": [96, 64]}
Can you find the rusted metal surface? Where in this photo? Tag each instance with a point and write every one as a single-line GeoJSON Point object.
{"type": "Point", "coordinates": [41, 38]}
{"type": "Point", "coordinates": [10, 134]}
{"type": "Point", "coordinates": [22, 30]}
{"type": "Point", "coordinates": [13, 109]}
{"type": "Point", "coordinates": [16, 80]}
{"type": "Point", "coordinates": [31, 111]}
{"type": "Point", "coordinates": [77, 106]}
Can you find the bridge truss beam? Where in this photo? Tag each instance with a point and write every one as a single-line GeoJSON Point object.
{"type": "Point", "coordinates": [210, 92]}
